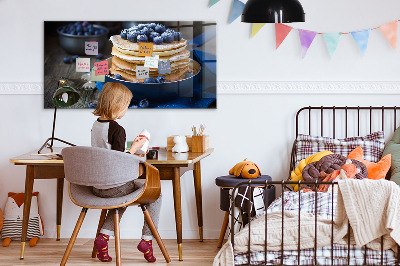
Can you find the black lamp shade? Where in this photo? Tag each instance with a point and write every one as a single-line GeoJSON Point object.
{"type": "Point", "coordinates": [273, 11]}
{"type": "Point", "coordinates": [65, 96]}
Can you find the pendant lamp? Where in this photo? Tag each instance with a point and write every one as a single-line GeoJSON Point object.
{"type": "Point", "coordinates": [273, 11]}
{"type": "Point", "coordinates": [64, 96]}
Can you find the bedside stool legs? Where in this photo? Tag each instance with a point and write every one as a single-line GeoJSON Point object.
{"type": "Point", "coordinates": [223, 229]}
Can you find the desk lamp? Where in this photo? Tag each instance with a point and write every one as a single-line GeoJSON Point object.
{"type": "Point", "coordinates": [64, 96]}
{"type": "Point", "coordinates": [273, 11]}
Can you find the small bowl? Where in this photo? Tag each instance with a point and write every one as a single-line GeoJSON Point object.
{"type": "Point", "coordinates": [74, 44]}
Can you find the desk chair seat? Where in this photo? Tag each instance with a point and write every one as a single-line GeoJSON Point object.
{"type": "Point", "coordinates": [83, 196]}
{"type": "Point", "coordinates": [85, 167]}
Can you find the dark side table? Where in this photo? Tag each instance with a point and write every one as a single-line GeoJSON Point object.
{"type": "Point", "coordinates": [228, 182]}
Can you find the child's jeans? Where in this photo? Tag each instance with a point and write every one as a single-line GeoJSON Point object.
{"type": "Point", "coordinates": [154, 208]}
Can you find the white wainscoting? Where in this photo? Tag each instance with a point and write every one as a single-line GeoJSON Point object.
{"type": "Point", "coordinates": [260, 87]}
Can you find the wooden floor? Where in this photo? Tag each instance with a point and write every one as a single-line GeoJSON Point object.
{"type": "Point", "coordinates": [50, 252]}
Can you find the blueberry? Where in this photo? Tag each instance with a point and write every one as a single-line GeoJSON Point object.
{"type": "Point", "coordinates": [85, 23]}
{"type": "Point", "coordinates": [124, 34]}
{"type": "Point", "coordinates": [74, 57]}
{"type": "Point", "coordinates": [102, 31]}
{"type": "Point", "coordinates": [77, 23]}
{"type": "Point", "coordinates": [118, 76]}
{"type": "Point", "coordinates": [145, 31]}
{"type": "Point", "coordinates": [79, 28]}
{"type": "Point", "coordinates": [144, 103]}
{"type": "Point", "coordinates": [177, 36]}
{"type": "Point", "coordinates": [167, 37]}
{"type": "Point", "coordinates": [142, 38]}
{"type": "Point", "coordinates": [132, 36]}
{"type": "Point", "coordinates": [158, 40]}
{"type": "Point", "coordinates": [151, 25]}
{"type": "Point", "coordinates": [92, 105]}
{"type": "Point", "coordinates": [153, 35]}
{"type": "Point", "coordinates": [150, 80]}
{"type": "Point", "coordinates": [72, 32]}
{"type": "Point", "coordinates": [188, 75]}
{"type": "Point", "coordinates": [99, 56]}
{"type": "Point", "coordinates": [67, 60]}
{"type": "Point", "coordinates": [170, 30]}
{"type": "Point", "coordinates": [160, 28]}
{"type": "Point", "coordinates": [161, 79]}
{"type": "Point", "coordinates": [96, 32]}
{"type": "Point", "coordinates": [141, 26]}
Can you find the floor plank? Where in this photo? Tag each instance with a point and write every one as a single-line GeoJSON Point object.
{"type": "Point", "coordinates": [49, 252]}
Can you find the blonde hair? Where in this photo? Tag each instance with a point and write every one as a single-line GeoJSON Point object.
{"type": "Point", "coordinates": [113, 98]}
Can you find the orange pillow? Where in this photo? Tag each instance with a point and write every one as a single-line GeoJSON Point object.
{"type": "Point", "coordinates": [375, 170]}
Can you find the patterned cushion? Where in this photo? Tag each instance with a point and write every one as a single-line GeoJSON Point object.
{"type": "Point", "coordinates": [372, 144]}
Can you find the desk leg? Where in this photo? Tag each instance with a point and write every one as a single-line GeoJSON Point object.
{"type": "Point", "coordinates": [60, 190]}
{"type": "Point", "coordinates": [27, 206]}
{"type": "Point", "coordinates": [199, 204]}
{"type": "Point", "coordinates": [176, 182]}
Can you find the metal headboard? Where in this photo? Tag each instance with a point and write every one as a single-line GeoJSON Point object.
{"type": "Point", "coordinates": [331, 114]}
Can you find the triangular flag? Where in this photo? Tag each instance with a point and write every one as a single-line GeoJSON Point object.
{"type": "Point", "coordinates": [390, 32]}
{"type": "Point", "coordinates": [237, 9]}
{"type": "Point", "coordinates": [255, 28]}
{"type": "Point", "coordinates": [332, 41]}
{"type": "Point", "coordinates": [213, 2]}
{"type": "Point", "coordinates": [306, 39]}
{"type": "Point", "coordinates": [361, 37]}
{"type": "Point", "coordinates": [281, 31]}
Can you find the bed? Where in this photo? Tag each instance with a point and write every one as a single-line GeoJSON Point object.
{"type": "Point", "coordinates": [275, 237]}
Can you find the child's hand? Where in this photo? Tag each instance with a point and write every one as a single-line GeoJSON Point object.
{"type": "Point", "coordinates": [137, 144]}
{"type": "Point", "coordinates": [143, 155]}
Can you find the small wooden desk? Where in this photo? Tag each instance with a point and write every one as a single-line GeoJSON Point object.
{"type": "Point", "coordinates": [170, 165]}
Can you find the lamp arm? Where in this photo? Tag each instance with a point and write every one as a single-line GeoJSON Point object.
{"type": "Point", "coordinates": [54, 126]}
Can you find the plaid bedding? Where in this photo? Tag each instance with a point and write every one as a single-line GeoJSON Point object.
{"type": "Point", "coordinates": [372, 145]}
{"type": "Point", "coordinates": [322, 207]}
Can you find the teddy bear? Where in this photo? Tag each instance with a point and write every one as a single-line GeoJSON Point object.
{"type": "Point", "coordinates": [13, 215]}
{"type": "Point", "coordinates": [245, 169]}
{"type": "Point", "coordinates": [180, 144]}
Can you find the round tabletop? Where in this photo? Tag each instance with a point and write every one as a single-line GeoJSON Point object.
{"type": "Point", "coordinates": [230, 181]}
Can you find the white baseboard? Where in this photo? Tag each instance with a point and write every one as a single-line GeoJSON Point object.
{"type": "Point", "coordinates": [259, 87]}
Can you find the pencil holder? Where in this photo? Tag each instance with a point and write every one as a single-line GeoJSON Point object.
{"type": "Point", "coordinates": [200, 143]}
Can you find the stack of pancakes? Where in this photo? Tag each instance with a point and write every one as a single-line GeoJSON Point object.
{"type": "Point", "coordinates": [126, 58]}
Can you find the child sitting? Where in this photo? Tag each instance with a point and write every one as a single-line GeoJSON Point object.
{"type": "Point", "coordinates": [106, 133]}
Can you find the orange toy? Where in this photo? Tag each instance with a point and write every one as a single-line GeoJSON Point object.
{"type": "Point", "coordinates": [12, 222]}
{"type": "Point", "coordinates": [245, 169]}
{"type": "Point", "coordinates": [375, 170]}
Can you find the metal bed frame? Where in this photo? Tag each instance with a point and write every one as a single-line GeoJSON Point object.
{"type": "Point", "coordinates": [283, 184]}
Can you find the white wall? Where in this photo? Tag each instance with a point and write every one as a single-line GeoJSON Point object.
{"type": "Point", "coordinates": [259, 127]}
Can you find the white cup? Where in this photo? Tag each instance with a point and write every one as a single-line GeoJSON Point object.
{"type": "Point", "coordinates": [144, 134]}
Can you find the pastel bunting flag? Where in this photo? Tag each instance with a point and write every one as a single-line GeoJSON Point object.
{"type": "Point", "coordinates": [237, 8]}
{"type": "Point", "coordinates": [389, 30]}
{"type": "Point", "coordinates": [332, 41]}
{"type": "Point", "coordinates": [361, 37]}
{"type": "Point", "coordinates": [256, 27]}
{"type": "Point", "coordinates": [281, 31]}
{"type": "Point", "coordinates": [306, 39]}
{"type": "Point", "coordinates": [213, 2]}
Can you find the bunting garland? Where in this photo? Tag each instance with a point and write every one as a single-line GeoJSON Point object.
{"type": "Point", "coordinates": [256, 27]}
{"type": "Point", "coordinates": [361, 37]}
{"type": "Point", "coordinates": [389, 30]}
{"type": "Point", "coordinates": [332, 41]}
{"type": "Point", "coordinates": [237, 8]}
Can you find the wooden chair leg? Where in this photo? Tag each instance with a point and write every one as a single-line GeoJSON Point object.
{"type": "Point", "coordinates": [154, 230]}
{"type": "Point", "coordinates": [223, 229]}
{"type": "Point", "coordinates": [73, 237]}
{"type": "Point", "coordinates": [101, 222]}
{"type": "Point", "coordinates": [117, 238]}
